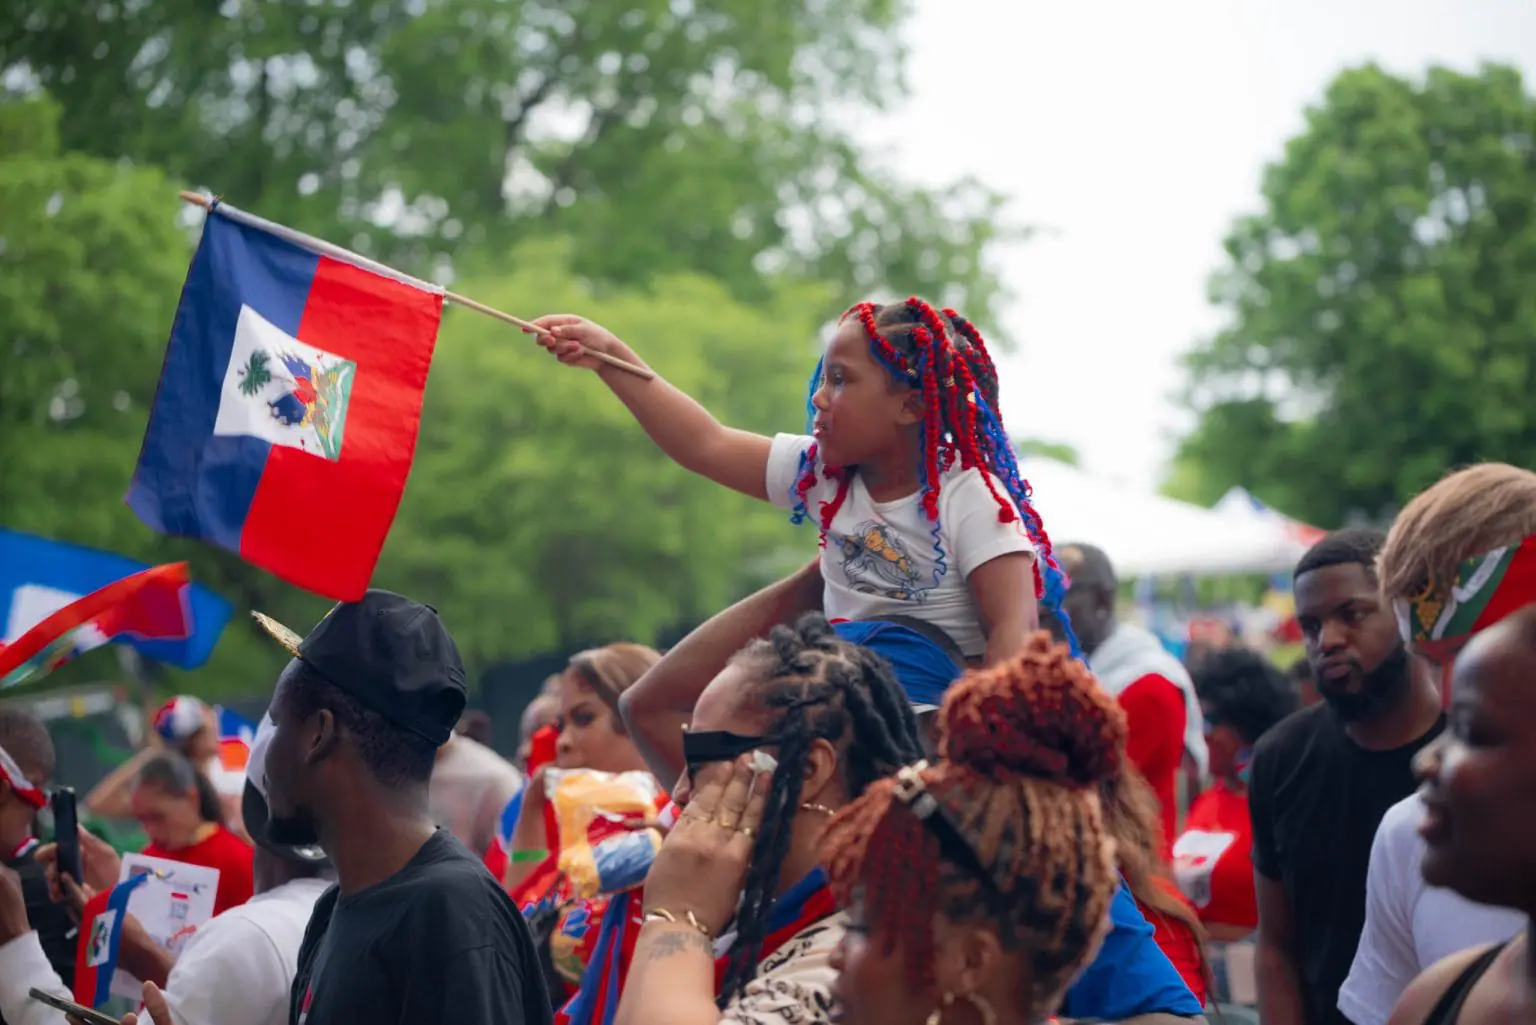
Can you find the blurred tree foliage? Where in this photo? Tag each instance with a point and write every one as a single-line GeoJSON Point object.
{"type": "Point", "coordinates": [666, 135]}
{"type": "Point", "coordinates": [538, 515]}
{"type": "Point", "coordinates": [1383, 323]}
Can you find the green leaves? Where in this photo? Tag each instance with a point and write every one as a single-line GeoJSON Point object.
{"type": "Point", "coordinates": [255, 375]}
{"type": "Point", "coordinates": [1382, 328]}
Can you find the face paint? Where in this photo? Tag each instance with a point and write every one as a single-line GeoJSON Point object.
{"type": "Point", "coordinates": [1439, 620]}
{"type": "Point", "coordinates": [1242, 762]}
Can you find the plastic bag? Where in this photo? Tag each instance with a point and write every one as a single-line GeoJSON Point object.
{"type": "Point", "coordinates": [609, 831]}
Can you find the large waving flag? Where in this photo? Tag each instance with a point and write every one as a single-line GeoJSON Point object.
{"type": "Point", "coordinates": [39, 576]}
{"type": "Point", "coordinates": [289, 403]}
{"type": "Point", "coordinates": [149, 604]}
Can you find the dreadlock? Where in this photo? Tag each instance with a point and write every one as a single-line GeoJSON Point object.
{"type": "Point", "coordinates": [1023, 746]}
{"type": "Point", "coordinates": [943, 354]}
{"type": "Point", "coordinates": [823, 688]}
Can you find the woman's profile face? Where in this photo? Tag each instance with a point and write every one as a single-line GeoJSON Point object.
{"type": "Point", "coordinates": [1479, 779]}
{"type": "Point", "coordinates": [589, 733]}
{"type": "Point", "coordinates": [171, 821]}
{"type": "Point", "coordinates": [874, 985]}
{"type": "Point", "coordinates": [724, 706]}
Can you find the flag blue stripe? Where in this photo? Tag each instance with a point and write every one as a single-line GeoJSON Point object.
{"type": "Point", "coordinates": [188, 482]}
{"type": "Point", "coordinates": [118, 901]}
{"type": "Point", "coordinates": [26, 559]}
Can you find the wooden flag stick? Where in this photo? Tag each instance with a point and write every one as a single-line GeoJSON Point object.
{"type": "Point", "coordinates": [206, 202]}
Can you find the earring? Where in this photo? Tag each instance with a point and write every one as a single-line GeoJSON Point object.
{"type": "Point", "coordinates": [820, 809]}
{"type": "Point", "coordinates": [983, 1009]}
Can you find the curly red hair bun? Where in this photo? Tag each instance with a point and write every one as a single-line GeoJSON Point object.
{"type": "Point", "coordinates": [1041, 714]}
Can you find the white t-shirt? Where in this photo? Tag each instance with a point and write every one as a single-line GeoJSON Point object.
{"type": "Point", "coordinates": [880, 558]}
{"type": "Point", "coordinates": [1409, 925]}
{"type": "Point", "coordinates": [236, 970]}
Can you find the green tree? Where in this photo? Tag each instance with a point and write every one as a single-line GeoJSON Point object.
{"type": "Point", "coordinates": [539, 516]}
{"type": "Point", "coordinates": [1060, 451]}
{"type": "Point", "coordinates": [91, 264]}
{"type": "Point", "coordinates": [667, 135]}
{"type": "Point", "coordinates": [1382, 322]}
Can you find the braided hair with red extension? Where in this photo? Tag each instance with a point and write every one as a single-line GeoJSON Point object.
{"type": "Point", "coordinates": [943, 355]}
{"type": "Point", "coordinates": [817, 686]}
{"type": "Point", "coordinates": [1023, 747]}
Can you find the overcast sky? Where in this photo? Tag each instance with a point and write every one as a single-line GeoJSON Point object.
{"type": "Point", "coordinates": [1136, 132]}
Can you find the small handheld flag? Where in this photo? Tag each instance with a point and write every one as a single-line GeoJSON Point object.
{"type": "Point", "coordinates": [149, 604]}
{"type": "Point", "coordinates": [101, 932]}
{"type": "Point", "coordinates": [289, 403]}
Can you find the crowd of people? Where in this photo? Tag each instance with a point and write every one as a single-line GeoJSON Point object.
{"type": "Point", "coordinates": [931, 777]}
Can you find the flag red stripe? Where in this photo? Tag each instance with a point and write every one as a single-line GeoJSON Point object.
{"type": "Point", "coordinates": [320, 524]}
{"type": "Point", "coordinates": [150, 604]}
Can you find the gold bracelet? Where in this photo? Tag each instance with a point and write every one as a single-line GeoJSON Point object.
{"type": "Point", "coordinates": [692, 920]}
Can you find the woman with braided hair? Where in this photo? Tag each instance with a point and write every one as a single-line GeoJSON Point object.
{"type": "Point", "coordinates": [930, 545]}
{"type": "Point", "coordinates": [746, 938]}
{"type": "Point", "coordinates": [979, 887]}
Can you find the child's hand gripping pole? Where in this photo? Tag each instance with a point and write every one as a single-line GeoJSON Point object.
{"type": "Point", "coordinates": [578, 342]}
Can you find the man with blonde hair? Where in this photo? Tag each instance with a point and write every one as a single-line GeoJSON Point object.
{"type": "Point", "coordinates": [1460, 557]}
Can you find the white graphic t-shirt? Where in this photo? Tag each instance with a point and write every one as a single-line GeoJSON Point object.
{"type": "Point", "coordinates": [886, 559]}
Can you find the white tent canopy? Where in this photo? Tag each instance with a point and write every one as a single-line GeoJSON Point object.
{"type": "Point", "coordinates": [1146, 534]}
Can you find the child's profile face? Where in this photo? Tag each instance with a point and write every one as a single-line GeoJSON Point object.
{"type": "Point", "coordinates": [859, 409]}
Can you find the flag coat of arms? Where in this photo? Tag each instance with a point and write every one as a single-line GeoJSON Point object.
{"type": "Point", "coordinates": [289, 403]}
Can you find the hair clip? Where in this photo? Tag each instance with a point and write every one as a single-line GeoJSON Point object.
{"type": "Point", "coordinates": [912, 790]}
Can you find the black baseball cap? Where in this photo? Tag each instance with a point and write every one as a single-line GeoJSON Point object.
{"type": "Point", "coordinates": [253, 807]}
{"type": "Point", "coordinates": [392, 654]}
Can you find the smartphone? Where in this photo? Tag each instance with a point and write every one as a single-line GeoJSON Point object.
{"type": "Point", "coordinates": [85, 1014]}
{"type": "Point", "coordinates": [66, 832]}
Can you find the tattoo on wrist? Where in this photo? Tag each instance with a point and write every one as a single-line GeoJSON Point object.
{"type": "Point", "coordinates": [676, 941]}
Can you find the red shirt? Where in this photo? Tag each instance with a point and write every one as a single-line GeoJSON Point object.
{"type": "Point", "coordinates": [224, 851]}
{"type": "Point", "coordinates": [1178, 941]}
{"type": "Point", "coordinates": [1154, 713]}
{"type": "Point", "coordinates": [1212, 860]}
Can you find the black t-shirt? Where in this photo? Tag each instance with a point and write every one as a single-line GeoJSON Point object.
{"type": "Point", "coordinates": [1316, 798]}
{"type": "Point", "coordinates": [439, 941]}
{"type": "Point", "coordinates": [56, 931]}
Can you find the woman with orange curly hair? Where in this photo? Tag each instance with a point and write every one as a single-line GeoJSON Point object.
{"type": "Point", "coordinates": [979, 887]}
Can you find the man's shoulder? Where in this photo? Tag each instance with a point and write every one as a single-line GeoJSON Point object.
{"type": "Point", "coordinates": [1296, 733]}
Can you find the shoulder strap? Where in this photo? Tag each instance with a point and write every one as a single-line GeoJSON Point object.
{"type": "Point", "coordinates": [1448, 1009]}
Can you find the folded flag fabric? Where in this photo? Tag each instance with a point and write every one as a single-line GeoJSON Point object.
{"type": "Point", "coordinates": [101, 931]}
{"type": "Point", "coordinates": [149, 604]}
{"type": "Point", "coordinates": [39, 576]}
{"type": "Point", "coordinates": [289, 403]}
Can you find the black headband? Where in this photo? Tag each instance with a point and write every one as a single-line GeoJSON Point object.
{"type": "Point", "coordinates": [912, 791]}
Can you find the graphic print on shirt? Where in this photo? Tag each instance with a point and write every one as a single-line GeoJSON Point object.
{"type": "Point", "coordinates": [876, 561]}
{"type": "Point", "coordinates": [1194, 857]}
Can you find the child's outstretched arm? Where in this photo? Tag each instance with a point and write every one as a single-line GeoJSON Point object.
{"type": "Point", "coordinates": [679, 426]}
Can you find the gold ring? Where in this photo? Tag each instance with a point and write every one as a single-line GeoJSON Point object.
{"type": "Point", "coordinates": [726, 823]}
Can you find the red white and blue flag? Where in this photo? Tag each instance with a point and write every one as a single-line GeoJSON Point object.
{"type": "Point", "coordinates": [101, 931]}
{"type": "Point", "coordinates": [152, 604]}
{"type": "Point", "coordinates": [289, 403]}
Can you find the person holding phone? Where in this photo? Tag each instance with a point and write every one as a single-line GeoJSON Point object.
{"type": "Point", "coordinates": [26, 763]}
{"type": "Point", "coordinates": [238, 969]}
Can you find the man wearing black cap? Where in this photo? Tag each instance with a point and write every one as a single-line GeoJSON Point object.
{"type": "Point", "coordinates": [417, 929]}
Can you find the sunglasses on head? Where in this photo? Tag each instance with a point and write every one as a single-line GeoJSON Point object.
{"type": "Point", "coordinates": [701, 749]}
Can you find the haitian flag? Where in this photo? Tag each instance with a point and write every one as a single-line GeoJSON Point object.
{"type": "Point", "coordinates": [149, 604]}
{"type": "Point", "coordinates": [101, 931]}
{"type": "Point", "coordinates": [289, 403]}
{"type": "Point", "coordinates": [39, 576]}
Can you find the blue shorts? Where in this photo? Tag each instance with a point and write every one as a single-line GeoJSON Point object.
{"type": "Point", "coordinates": [923, 668]}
